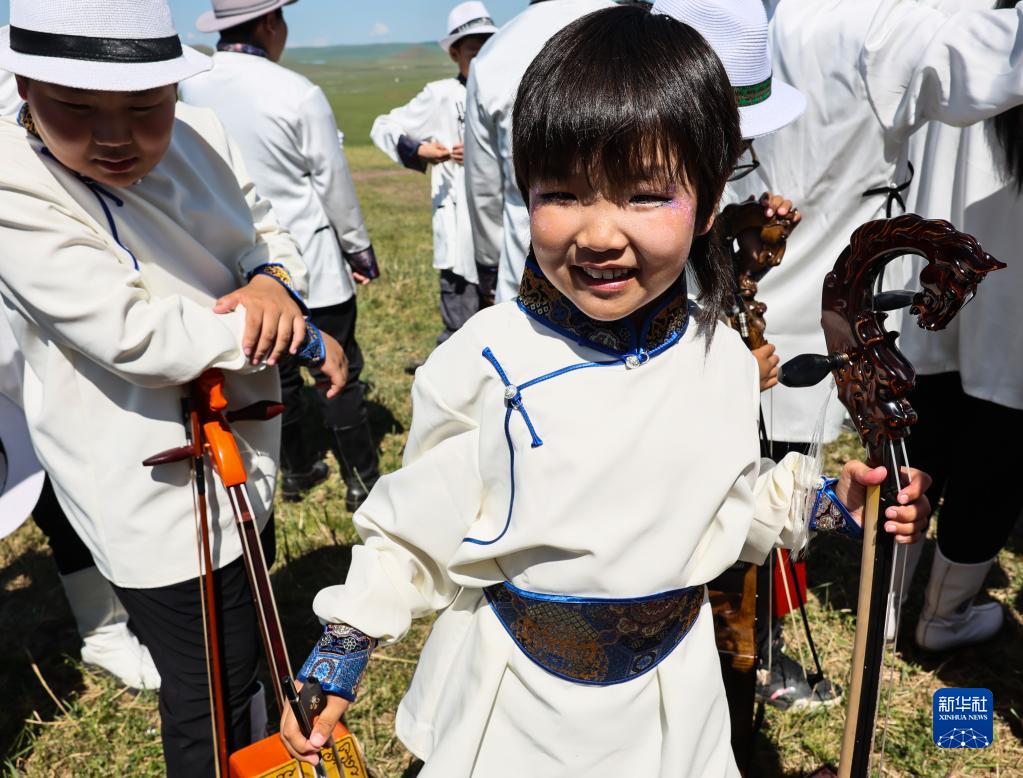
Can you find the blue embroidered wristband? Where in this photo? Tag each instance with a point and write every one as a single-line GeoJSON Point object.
{"type": "Point", "coordinates": [830, 515]}
{"type": "Point", "coordinates": [280, 274]}
{"type": "Point", "coordinates": [312, 352]}
{"type": "Point", "coordinates": [338, 660]}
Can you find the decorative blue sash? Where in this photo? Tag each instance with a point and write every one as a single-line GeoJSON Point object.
{"type": "Point", "coordinates": [595, 641]}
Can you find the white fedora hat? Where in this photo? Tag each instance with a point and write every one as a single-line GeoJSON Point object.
{"type": "Point", "coordinates": [112, 45]}
{"type": "Point", "coordinates": [21, 475]}
{"type": "Point", "coordinates": [231, 13]}
{"type": "Point", "coordinates": [467, 19]}
{"type": "Point", "coordinates": [737, 31]}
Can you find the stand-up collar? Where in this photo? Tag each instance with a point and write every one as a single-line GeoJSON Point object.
{"type": "Point", "coordinates": [663, 327]}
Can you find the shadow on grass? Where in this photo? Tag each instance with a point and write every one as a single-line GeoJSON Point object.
{"type": "Point", "coordinates": [36, 626]}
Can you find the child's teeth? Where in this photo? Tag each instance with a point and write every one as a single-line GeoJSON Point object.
{"type": "Point", "coordinates": [606, 275]}
{"type": "Point", "coordinates": [609, 274]}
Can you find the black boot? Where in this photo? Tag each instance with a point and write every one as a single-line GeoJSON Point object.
{"type": "Point", "coordinates": [300, 466]}
{"type": "Point", "coordinates": [357, 456]}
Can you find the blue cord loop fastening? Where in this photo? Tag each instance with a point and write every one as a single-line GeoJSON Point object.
{"type": "Point", "coordinates": [513, 396]}
{"type": "Point", "coordinates": [100, 193]}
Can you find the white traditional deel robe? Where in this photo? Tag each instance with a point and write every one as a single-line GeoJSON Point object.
{"type": "Point", "coordinates": [961, 178]}
{"type": "Point", "coordinates": [437, 115]}
{"type": "Point", "coordinates": [647, 480]}
{"type": "Point", "coordinates": [873, 72]}
{"type": "Point", "coordinates": [285, 128]}
{"type": "Point", "coordinates": [108, 347]}
{"type": "Point", "coordinates": [500, 221]}
{"type": "Point", "coordinates": [10, 100]}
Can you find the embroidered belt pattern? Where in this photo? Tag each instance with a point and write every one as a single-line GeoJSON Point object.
{"type": "Point", "coordinates": [595, 641]}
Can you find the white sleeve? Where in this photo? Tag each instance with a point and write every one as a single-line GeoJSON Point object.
{"type": "Point", "coordinates": [484, 179]}
{"type": "Point", "coordinates": [62, 276]}
{"type": "Point", "coordinates": [920, 64]}
{"type": "Point", "coordinates": [411, 525]}
{"type": "Point", "coordinates": [328, 169]}
{"type": "Point", "coordinates": [415, 120]}
{"type": "Point", "coordinates": [779, 507]}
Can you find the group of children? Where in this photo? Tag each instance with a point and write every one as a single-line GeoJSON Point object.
{"type": "Point", "coordinates": [583, 457]}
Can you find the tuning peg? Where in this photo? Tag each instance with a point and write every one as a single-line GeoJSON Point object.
{"type": "Point", "coordinates": [179, 454]}
{"type": "Point", "coordinates": [893, 301]}
{"type": "Point", "coordinates": [264, 410]}
{"type": "Point", "coordinates": [809, 369]}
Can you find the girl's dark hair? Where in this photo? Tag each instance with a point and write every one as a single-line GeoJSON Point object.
{"type": "Point", "coordinates": [1008, 127]}
{"type": "Point", "coordinates": [625, 96]}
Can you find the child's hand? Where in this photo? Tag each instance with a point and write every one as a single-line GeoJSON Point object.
{"type": "Point", "coordinates": [458, 153]}
{"type": "Point", "coordinates": [768, 362]}
{"type": "Point", "coordinates": [323, 726]}
{"type": "Point", "coordinates": [434, 153]}
{"type": "Point", "coordinates": [908, 520]}
{"type": "Point", "coordinates": [776, 204]}
{"type": "Point", "coordinates": [273, 321]}
{"type": "Point", "coordinates": [335, 365]}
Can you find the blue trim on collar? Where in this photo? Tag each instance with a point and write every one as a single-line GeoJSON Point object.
{"type": "Point", "coordinates": [539, 299]}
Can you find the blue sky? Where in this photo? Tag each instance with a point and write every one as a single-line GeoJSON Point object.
{"type": "Point", "coordinates": [330, 22]}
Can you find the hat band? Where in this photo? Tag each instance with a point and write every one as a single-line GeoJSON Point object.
{"type": "Point", "coordinates": [754, 94]}
{"type": "Point", "coordinates": [81, 47]}
{"type": "Point", "coordinates": [478, 22]}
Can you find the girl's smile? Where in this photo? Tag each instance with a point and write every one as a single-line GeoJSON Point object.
{"type": "Point", "coordinates": [611, 256]}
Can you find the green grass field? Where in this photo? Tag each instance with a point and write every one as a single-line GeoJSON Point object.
{"type": "Point", "coordinates": [59, 718]}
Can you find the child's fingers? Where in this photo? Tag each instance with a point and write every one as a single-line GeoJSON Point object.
{"type": "Point", "coordinates": [227, 303]}
{"type": "Point", "coordinates": [284, 332]}
{"type": "Point", "coordinates": [253, 325]}
{"type": "Point", "coordinates": [297, 336]}
{"type": "Point", "coordinates": [267, 335]}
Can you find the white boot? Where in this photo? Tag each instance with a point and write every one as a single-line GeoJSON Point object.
{"type": "Point", "coordinates": [949, 618]}
{"type": "Point", "coordinates": [103, 624]}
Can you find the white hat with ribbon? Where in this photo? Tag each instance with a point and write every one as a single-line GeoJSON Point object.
{"type": "Point", "coordinates": [737, 31]}
{"type": "Point", "coordinates": [21, 475]}
{"type": "Point", "coordinates": [231, 13]}
{"type": "Point", "coordinates": [111, 45]}
{"type": "Point", "coordinates": [467, 19]}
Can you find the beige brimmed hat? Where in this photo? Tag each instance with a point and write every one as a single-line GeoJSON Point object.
{"type": "Point", "coordinates": [21, 475]}
{"type": "Point", "coordinates": [231, 13]}
{"type": "Point", "coordinates": [737, 31]}
{"type": "Point", "coordinates": [467, 19]}
{"type": "Point", "coordinates": [111, 45]}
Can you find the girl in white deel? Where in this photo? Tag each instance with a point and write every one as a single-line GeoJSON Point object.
{"type": "Point", "coordinates": [430, 131]}
{"type": "Point", "coordinates": [584, 459]}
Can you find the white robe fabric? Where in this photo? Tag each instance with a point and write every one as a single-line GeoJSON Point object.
{"type": "Point", "coordinates": [108, 348]}
{"type": "Point", "coordinates": [10, 100]}
{"type": "Point", "coordinates": [500, 220]}
{"type": "Point", "coordinates": [287, 134]}
{"type": "Point", "coordinates": [961, 178]}
{"type": "Point", "coordinates": [647, 480]}
{"type": "Point", "coordinates": [873, 72]}
{"type": "Point", "coordinates": [437, 115]}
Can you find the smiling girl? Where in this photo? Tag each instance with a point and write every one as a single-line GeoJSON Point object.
{"type": "Point", "coordinates": [583, 460]}
{"type": "Point", "coordinates": [134, 255]}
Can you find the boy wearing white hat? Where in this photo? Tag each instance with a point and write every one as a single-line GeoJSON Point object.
{"type": "Point", "coordinates": [430, 130]}
{"type": "Point", "coordinates": [135, 255]}
{"type": "Point", "coordinates": [286, 130]}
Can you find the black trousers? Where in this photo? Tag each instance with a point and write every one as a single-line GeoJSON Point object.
{"type": "Point", "coordinates": [169, 621]}
{"type": "Point", "coordinates": [346, 408]}
{"type": "Point", "coordinates": [965, 445]}
{"type": "Point", "coordinates": [69, 552]}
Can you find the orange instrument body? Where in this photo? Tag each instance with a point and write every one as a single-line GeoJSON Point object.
{"type": "Point", "coordinates": [269, 759]}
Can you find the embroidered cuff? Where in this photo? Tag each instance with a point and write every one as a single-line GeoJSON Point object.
{"type": "Point", "coordinates": [408, 153]}
{"type": "Point", "coordinates": [338, 660]}
{"type": "Point", "coordinates": [363, 262]}
{"type": "Point", "coordinates": [280, 274]}
{"type": "Point", "coordinates": [312, 352]}
{"type": "Point", "coordinates": [829, 514]}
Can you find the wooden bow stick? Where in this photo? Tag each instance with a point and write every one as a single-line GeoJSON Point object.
{"type": "Point", "coordinates": [210, 435]}
{"type": "Point", "coordinates": [873, 380]}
